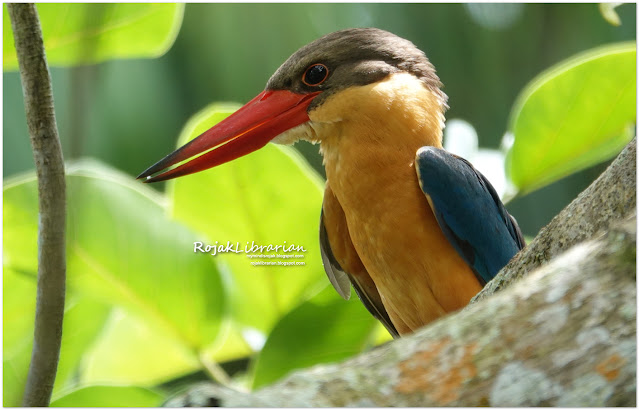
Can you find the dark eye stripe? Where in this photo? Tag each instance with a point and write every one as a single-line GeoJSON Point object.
{"type": "Point", "coordinates": [315, 75]}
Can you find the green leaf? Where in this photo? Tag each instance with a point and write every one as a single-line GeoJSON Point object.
{"type": "Point", "coordinates": [575, 115]}
{"type": "Point", "coordinates": [18, 311]}
{"type": "Point", "coordinates": [132, 352]}
{"type": "Point", "coordinates": [14, 375]}
{"type": "Point", "coordinates": [110, 396]}
{"type": "Point", "coordinates": [323, 329]}
{"type": "Point", "coordinates": [89, 33]}
{"type": "Point", "coordinates": [83, 322]}
{"type": "Point", "coordinates": [268, 197]}
{"type": "Point", "coordinates": [123, 250]}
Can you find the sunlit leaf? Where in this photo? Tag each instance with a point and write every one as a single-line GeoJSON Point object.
{"type": "Point", "coordinates": [573, 116]}
{"type": "Point", "coordinates": [132, 352]}
{"type": "Point", "coordinates": [18, 311]}
{"type": "Point", "coordinates": [229, 346]}
{"type": "Point", "coordinates": [14, 375]}
{"type": "Point", "coordinates": [122, 250]}
{"type": "Point", "coordinates": [323, 329]}
{"type": "Point", "coordinates": [268, 197]}
{"type": "Point", "coordinates": [88, 33]}
{"type": "Point", "coordinates": [110, 396]}
{"type": "Point", "coordinates": [83, 321]}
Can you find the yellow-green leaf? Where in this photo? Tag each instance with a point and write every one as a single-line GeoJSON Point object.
{"type": "Point", "coordinates": [575, 115]}
{"type": "Point", "coordinates": [268, 197]}
{"type": "Point", "coordinates": [110, 396]}
{"type": "Point", "coordinates": [89, 33]}
{"type": "Point", "coordinates": [83, 322]}
{"type": "Point", "coordinates": [123, 251]}
{"type": "Point", "coordinates": [132, 351]}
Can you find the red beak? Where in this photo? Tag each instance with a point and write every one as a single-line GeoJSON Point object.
{"type": "Point", "coordinates": [246, 130]}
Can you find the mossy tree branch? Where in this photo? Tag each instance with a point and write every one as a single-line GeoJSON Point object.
{"type": "Point", "coordinates": [49, 163]}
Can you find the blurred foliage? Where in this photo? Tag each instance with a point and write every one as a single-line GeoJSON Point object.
{"type": "Point", "coordinates": [263, 198]}
{"type": "Point", "coordinates": [91, 33]}
{"type": "Point", "coordinates": [144, 309]}
{"type": "Point", "coordinates": [122, 251]}
{"type": "Point", "coordinates": [110, 396]}
{"type": "Point", "coordinates": [609, 13]}
{"type": "Point", "coordinates": [129, 113]}
{"type": "Point", "coordinates": [573, 116]}
{"type": "Point", "coordinates": [320, 330]}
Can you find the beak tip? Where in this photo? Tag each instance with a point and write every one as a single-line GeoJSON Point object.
{"type": "Point", "coordinates": [145, 177]}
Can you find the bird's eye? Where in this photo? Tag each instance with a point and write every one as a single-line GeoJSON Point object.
{"type": "Point", "coordinates": [315, 75]}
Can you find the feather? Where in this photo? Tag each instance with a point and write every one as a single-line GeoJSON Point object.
{"type": "Point", "coordinates": [469, 211]}
{"type": "Point", "coordinates": [354, 273]}
{"type": "Point", "coordinates": [338, 278]}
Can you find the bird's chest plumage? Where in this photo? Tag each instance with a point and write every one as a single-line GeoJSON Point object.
{"type": "Point", "coordinates": [417, 272]}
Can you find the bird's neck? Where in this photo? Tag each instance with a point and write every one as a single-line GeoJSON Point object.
{"type": "Point", "coordinates": [376, 129]}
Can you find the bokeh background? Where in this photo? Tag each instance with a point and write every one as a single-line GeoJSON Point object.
{"type": "Point", "coordinates": [146, 317]}
{"type": "Point", "coordinates": [129, 113]}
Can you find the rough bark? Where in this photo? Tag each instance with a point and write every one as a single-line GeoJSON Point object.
{"type": "Point", "coordinates": [610, 197]}
{"type": "Point", "coordinates": [563, 333]}
{"type": "Point", "coordinates": [47, 152]}
{"type": "Point", "coordinates": [562, 336]}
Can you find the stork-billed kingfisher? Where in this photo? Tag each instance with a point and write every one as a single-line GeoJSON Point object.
{"type": "Point", "coordinates": [416, 230]}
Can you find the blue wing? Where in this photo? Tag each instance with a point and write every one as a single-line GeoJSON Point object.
{"type": "Point", "coordinates": [468, 211]}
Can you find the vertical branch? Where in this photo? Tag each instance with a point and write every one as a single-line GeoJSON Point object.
{"type": "Point", "coordinates": [38, 101]}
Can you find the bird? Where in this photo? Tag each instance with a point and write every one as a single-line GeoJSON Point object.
{"type": "Point", "coordinates": [415, 230]}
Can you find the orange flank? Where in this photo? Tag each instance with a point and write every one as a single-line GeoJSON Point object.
{"type": "Point", "coordinates": [345, 253]}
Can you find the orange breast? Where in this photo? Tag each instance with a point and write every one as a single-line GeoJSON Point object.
{"type": "Point", "coordinates": [418, 274]}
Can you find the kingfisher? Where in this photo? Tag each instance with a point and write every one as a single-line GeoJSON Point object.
{"type": "Point", "coordinates": [415, 230]}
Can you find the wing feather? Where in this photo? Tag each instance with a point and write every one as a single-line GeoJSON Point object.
{"type": "Point", "coordinates": [336, 275]}
{"type": "Point", "coordinates": [469, 211]}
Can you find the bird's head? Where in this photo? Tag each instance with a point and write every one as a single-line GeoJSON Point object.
{"type": "Point", "coordinates": [328, 81]}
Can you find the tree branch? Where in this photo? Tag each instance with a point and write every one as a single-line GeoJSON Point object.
{"type": "Point", "coordinates": [47, 153]}
{"type": "Point", "coordinates": [553, 339]}
{"type": "Point", "coordinates": [562, 334]}
{"type": "Point", "coordinates": [610, 197]}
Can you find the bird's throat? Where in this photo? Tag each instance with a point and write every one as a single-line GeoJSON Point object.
{"type": "Point", "coordinates": [380, 125]}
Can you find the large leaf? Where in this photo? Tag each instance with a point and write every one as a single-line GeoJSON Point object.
{"type": "Point", "coordinates": [89, 33]}
{"type": "Point", "coordinates": [131, 351]}
{"type": "Point", "coordinates": [324, 329]}
{"type": "Point", "coordinates": [18, 311]}
{"type": "Point", "coordinates": [83, 321]}
{"type": "Point", "coordinates": [110, 396]}
{"type": "Point", "coordinates": [269, 197]}
{"type": "Point", "coordinates": [575, 115]}
{"type": "Point", "coordinates": [123, 250]}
